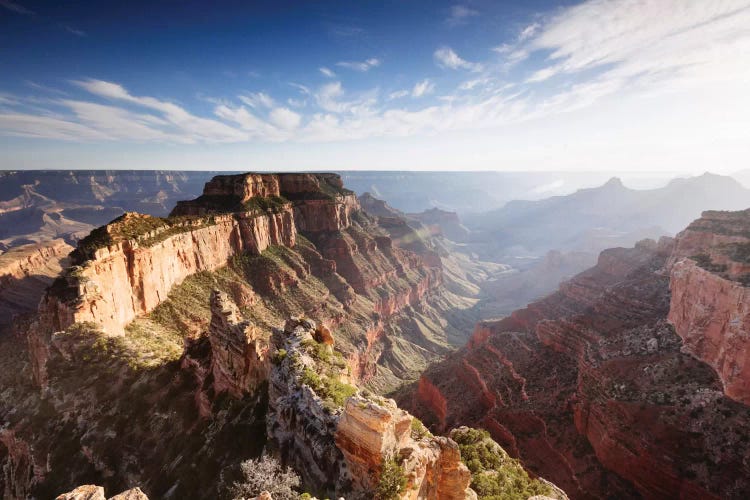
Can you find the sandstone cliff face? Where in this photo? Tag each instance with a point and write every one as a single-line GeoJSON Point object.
{"type": "Point", "coordinates": [239, 352]}
{"type": "Point", "coordinates": [341, 450]}
{"type": "Point", "coordinates": [589, 386]}
{"type": "Point", "coordinates": [132, 277]}
{"type": "Point", "coordinates": [710, 304]}
{"type": "Point", "coordinates": [25, 272]}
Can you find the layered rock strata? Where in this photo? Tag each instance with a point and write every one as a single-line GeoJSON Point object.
{"type": "Point", "coordinates": [590, 386]}
{"type": "Point", "coordinates": [710, 298]}
{"type": "Point", "coordinates": [239, 351]}
{"type": "Point", "coordinates": [25, 272]}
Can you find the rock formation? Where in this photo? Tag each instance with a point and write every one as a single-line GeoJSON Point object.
{"type": "Point", "coordinates": [25, 272]}
{"type": "Point", "coordinates": [239, 352]}
{"type": "Point", "coordinates": [590, 386]}
{"type": "Point", "coordinates": [339, 445]}
{"type": "Point", "coordinates": [91, 492]}
{"type": "Point", "coordinates": [152, 349]}
{"type": "Point", "coordinates": [710, 304]}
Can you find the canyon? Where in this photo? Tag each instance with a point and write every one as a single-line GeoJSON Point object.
{"type": "Point", "coordinates": [279, 313]}
{"type": "Point", "coordinates": [630, 380]}
{"type": "Point", "coordinates": [161, 327]}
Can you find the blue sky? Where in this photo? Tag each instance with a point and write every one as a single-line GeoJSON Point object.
{"type": "Point", "coordinates": [526, 85]}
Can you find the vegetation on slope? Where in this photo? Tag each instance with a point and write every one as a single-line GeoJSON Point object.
{"type": "Point", "coordinates": [494, 474]}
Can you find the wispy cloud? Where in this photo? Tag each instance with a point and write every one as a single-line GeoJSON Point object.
{"type": "Point", "coordinates": [423, 88]}
{"type": "Point", "coordinates": [361, 66]}
{"type": "Point", "coordinates": [445, 57]}
{"type": "Point", "coordinates": [584, 55]}
{"type": "Point", "coordinates": [15, 7]}
{"type": "Point", "coordinates": [74, 31]}
{"type": "Point", "coordinates": [459, 15]}
{"type": "Point", "coordinates": [258, 100]}
{"type": "Point", "coordinates": [327, 72]}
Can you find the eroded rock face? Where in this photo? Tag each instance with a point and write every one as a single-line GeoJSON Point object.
{"type": "Point", "coordinates": [341, 450]}
{"type": "Point", "coordinates": [239, 352]}
{"type": "Point", "coordinates": [85, 492]}
{"type": "Point", "coordinates": [244, 186]}
{"type": "Point", "coordinates": [25, 272]}
{"type": "Point", "coordinates": [710, 304]}
{"type": "Point", "coordinates": [130, 278]}
{"type": "Point", "coordinates": [591, 389]}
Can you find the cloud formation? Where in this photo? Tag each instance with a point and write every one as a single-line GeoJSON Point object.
{"type": "Point", "coordinates": [445, 57]}
{"type": "Point", "coordinates": [362, 66]}
{"type": "Point", "coordinates": [570, 60]}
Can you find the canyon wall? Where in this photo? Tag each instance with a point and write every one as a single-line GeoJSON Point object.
{"type": "Point", "coordinates": [340, 446]}
{"type": "Point", "coordinates": [602, 386]}
{"type": "Point", "coordinates": [132, 277]}
{"type": "Point", "coordinates": [25, 272]}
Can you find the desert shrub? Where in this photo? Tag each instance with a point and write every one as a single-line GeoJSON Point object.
{"type": "Point", "coordinates": [265, 474]}
{"type": "Point", "coordinates": [494, 474]}
{"type": "Point", "coordinates": [418, 430]}
{"type": "Point", "coordinates": [392, 481]}
{"type": "Point", "coordinates": [328, 388]}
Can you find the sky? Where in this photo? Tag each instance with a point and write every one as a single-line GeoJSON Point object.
{"type": "Point", "coordinates": [598, 85]}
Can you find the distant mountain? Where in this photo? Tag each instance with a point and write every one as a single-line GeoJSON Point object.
{"type": "Point", "coordinates": [606, 216]}
{"type": "Point", "coordinates": [475, 192]}
{"type": "Point", "coordinates": [43, 205]}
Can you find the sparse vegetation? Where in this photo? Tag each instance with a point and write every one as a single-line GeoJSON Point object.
{"type": "Point", "coordinates": [494, 474]}
{"type": "Point", "coordinates": [266, 474]}
{"type": "Point", "coordinates": [135, 227]}
{"type": "Point", "coordinates": [418, 429]}
{"type": "Point", "coordinates": [328, 387]}
{"type": "Point", "coordinates": [392, 481]}
{"type": "Point", "coordinates": [704, 261]}
{"type": "Point", "coordinates": [279, 356]}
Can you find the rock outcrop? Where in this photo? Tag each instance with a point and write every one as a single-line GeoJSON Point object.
{"type": "Point", "coordinates": [239, 351]}
{"type": "Point", "coordinates": [710, 298]}
{"type": "Point", "coordinates": [590, 386]}
{"type": "Point", "coordinates": [339, 445]}
{"type": "Point", "coordinates": [92, 492]}
{"type": "Point", "coordinates": [129, 276]}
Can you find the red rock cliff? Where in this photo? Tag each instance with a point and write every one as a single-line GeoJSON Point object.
{"type": "Point", "coordinates": [591, 389]}
{"type": "Point", "coordinates": [710, 303]}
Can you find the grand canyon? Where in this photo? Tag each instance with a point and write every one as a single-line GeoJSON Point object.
{"type": "Point", "coordinates": [375, 250]}
{"type": "Point", "coordinates": [283, 314]}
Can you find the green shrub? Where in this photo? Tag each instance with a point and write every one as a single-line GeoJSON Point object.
{"type": "Point", "coordinates": [494, 474]}
{"type": "Point", "coordinates": [392, 481]}
{"type": "Point", "coordinates": [328, 388]}
{"type": "Point", "coordinates": [418, 430]}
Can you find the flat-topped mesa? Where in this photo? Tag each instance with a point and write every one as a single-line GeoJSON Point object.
{"type": "Point", "coordinates": [244, 186]}
{"type": "Point", "coordinates": [320, 201]}
{"type": "Point", "coordinates": [710, 299]}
